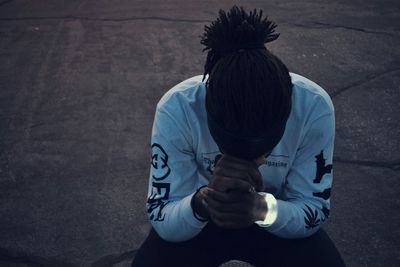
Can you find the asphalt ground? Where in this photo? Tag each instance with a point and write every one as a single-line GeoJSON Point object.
{"type": "Point", "coordinates": [79, 81]}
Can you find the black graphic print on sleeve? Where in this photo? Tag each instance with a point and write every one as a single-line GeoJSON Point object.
{"type": "Point", "coordinates": [321, 167]}
{"type": "Point", "coordinates": [159, 162]}
{"type": "Point", "coordinates": [158, 200]}
{"type": "Point", "coordinates": [325, 194]}
{"type": "Point", "coordinates": [311, 218]}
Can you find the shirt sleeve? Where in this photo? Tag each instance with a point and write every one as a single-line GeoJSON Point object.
{"type": "Point", "coordinates": [305, 202]}
{"type": "Point", "coordinates": [174, 178]}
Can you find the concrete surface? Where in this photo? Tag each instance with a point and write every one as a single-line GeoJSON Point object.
{"type": "Point", "coordinates": [79, 81]}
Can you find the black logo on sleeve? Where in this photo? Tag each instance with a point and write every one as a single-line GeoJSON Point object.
{"type": "Point", "coordinates": [159, 162]}
{"type": "Point", "coordinates": [322, 169]}
{"type": "Point", "coordinates": [325, 194]}
{"type": "Point", "coordinates": [158, 200]}
{"type": "Point", "coordinates": [311, 218]}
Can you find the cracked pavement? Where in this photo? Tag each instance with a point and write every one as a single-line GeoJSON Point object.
{"type": "Point", "coordinates": [79, 82]}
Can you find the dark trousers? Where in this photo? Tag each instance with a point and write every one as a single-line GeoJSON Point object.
{"type": "Point", "coordinates": [214, 246]}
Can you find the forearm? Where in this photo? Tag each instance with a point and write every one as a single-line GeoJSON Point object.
{"type": "Point", "coordinates": [177, 222]}
{"type": "Point", "coordinates": [296, 219]}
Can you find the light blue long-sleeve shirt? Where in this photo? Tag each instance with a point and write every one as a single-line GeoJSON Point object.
{"type": "Point", "coordinates": [298, 172]}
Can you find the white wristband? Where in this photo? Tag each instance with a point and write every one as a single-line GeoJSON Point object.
{"type": "Point", "coordinates": [272, 212]}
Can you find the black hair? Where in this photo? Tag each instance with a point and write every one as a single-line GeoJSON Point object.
{"type": "Point", "coordinates": [248, 88]}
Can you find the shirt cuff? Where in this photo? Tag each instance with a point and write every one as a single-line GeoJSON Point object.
{"type": "Point", "coordinates": [189, 213]}
{"type": "Point", "coordinates": [285, 215]}
{"type": "Point", "coordinates": [197, 216]}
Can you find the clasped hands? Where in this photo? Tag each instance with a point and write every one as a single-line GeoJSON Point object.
{"type": "Point", "coordinates": [230, 200]}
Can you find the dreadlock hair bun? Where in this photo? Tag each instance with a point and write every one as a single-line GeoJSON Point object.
{"type": "Point", "coordinates": [248, 88]}
{"type": "Point", "coordinates": [234, 31]}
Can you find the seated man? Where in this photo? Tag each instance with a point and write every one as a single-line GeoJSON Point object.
{"type": "Point", "coordinates": [241, 159]}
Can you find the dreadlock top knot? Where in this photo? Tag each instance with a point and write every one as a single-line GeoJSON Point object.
{"type": "Point", "coordinates": [234, 31]}
{"type": "Point", "coordinates": [241, 49]}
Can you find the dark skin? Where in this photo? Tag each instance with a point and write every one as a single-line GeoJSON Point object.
{"type": "Point", "coordinates": [230, 200]}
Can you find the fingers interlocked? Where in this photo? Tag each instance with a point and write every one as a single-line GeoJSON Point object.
{"type": "Point", "coordinates": [230, 197]}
